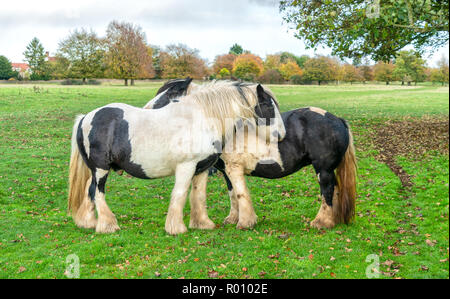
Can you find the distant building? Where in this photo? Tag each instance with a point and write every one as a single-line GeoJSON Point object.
{"type": "Point", "coordinates": [23, 69]}
{"type": "Point", "coordinates": [48, 57]}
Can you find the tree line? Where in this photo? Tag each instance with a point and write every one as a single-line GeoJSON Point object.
{"type": "Point", "coordinates": [125, 54]}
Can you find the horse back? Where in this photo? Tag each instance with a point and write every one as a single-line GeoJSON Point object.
{"type": "Point", "coordinates": [323, 136]}
{"type": "Point", "coordinates": [104, 141]}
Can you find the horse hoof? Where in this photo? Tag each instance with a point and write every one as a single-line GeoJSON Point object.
{"type": "Point", "coordinates": [249, 223]}
{"type": "Point", "coordinates": [231, 219]}
{"type": "Point", "coordinates": [89, 224]}
{"type": "Point", "coordinates": [320, 223]}
{"type": "Point", "coordinates": [107, 228]}
{"type": "Point", "coordinates": [176, 230]}
{"type": "Point", "coordinates": [204, 224]}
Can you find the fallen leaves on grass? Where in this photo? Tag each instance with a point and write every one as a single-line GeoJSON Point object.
{"type": "Point", "coordinates": [410, 138]}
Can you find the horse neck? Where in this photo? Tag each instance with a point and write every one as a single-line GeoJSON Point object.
{"type": "Point", "coordinates": [193, 87]}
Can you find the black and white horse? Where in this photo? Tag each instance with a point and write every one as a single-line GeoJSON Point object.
{"type": "Point", "coordinates": [182, 139]}
{"type": "Point", "coordinates": [313, 137]}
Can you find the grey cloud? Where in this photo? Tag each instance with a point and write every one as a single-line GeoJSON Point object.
{"type": "Point", "coordinates": [193, 13]}
{"type": "Point", "coordinates": [205, 14]}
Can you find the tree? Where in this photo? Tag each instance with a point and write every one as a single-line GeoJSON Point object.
{"type": "Point", "coordinates": [224, 73]}
{"type": "Point", "coordinates": [320, 69]}
{"type": "Point", "coordinates": [223, 61]}
{"type": "Point", "coordinates": [443, 68]}
{"type": "Point", "coordinates": [59, 67]}
{"type": "Point", "coordinates": [350, 73]}
{"type": "Point", "coordinates": [156, 60]}
{"type": "Point", "coordinates": [358, 28]}
{"type": "Point", "coordinates": [272, 62]}
{"type": "Point", "coordinates": [84, 51]}
{"type": "Point", "coordinates": [35, 57]}
{"type": "Point", "coordinates": [127, 54]}
{"type": "Point", "coordinates": [271, 76]}
{"type": "Point", "coordinates": [289, 69]}
{"type": "Point", "coordinates": [236, 50]}
{"type": "Point", "coordinates": [6, 71]}
{"type": "Point", "coordinates": [181, 61]}
{"type": "Point", "coordinates": [440, 74]}
{"type": "Point", "coordinates": [365, 71]}
{"type": "Point", "coordinates": [435, 76]}
{"type": "Point", "coordinates": [384, 72]}
{"type": "Point", "coordinates": [409, 66]}
{"type": "Point", "coordinates": [247, 67]}
{"type": "Point", "coordinates": [300, 60]}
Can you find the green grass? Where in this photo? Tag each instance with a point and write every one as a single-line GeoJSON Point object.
{"type": "Point", "coordinates": [408, 230]}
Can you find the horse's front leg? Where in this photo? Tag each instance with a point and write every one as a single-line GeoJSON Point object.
{"type": "Point", "coordinates": [247, 216]}
{"type": "Point", "coordinates": [233, 216]}
{"type": "Point", "coordinates": [183, 177]}
{"type": "Point", "coordinates": [199, 215]}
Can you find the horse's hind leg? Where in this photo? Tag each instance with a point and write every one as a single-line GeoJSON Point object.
{"type": "Point", "coordinates": [325, 218]}
{"type": "Point", "coordinates": [199, 215]}
{"type": "Point", "coordinates": [183, 177]}
{"type": "Point", "coordinates": [85, 217]}
{"type": "Point", "coordinates": [106, 222]}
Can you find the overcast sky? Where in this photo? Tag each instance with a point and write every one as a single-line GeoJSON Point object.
{"type": "Point", "coordinates": [210, 26]}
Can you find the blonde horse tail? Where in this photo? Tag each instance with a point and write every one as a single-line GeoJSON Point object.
{"type": "Point", "coordinates": [346, 177]}
{"type": "Point", "coordinates": [79, 173]}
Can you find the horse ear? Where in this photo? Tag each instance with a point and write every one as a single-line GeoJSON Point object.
{"type": "Point", "coordinates": [262, 95]}
{"type": "Point", "coordinates": [187, 81]}
{"type": "Point", "coordinates": [259, 90]}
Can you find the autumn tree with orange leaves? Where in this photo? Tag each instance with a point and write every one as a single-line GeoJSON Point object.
{"type": "Point", "coordinates": [248, 67]}
{"type": "Point", "coordinates": [180, 61]}
{"type": "Point", "coordinates": [290, 69]}
{"type": "Point", "coordinates": [128, 55]}
{"type": "Point", "coordinates": [223, 62]}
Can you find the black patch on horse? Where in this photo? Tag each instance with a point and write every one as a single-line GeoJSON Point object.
{"type": "Point", "coordinates": [175, 89]}
{"type": "Point", "coordinates": [92, 188]}
{"type": "Point", "coordinates": [102, 183]}
{"type": "Point", "coordinates": [109, 143]}
{"type": "Point", "coordinates": [311, 138]}
{"type": "Point", "coordinates": [220, 165]}
{"type": "Point", "coordinates": [206, 163]}
{"type": "Point", "coordinates": [80, 143]}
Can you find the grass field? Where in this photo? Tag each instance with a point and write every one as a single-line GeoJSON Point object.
{"type": "Point", "coordinates": [402, 207]}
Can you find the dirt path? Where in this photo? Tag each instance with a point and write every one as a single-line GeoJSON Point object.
{"type": "Point", "coordinates": [410, 138]}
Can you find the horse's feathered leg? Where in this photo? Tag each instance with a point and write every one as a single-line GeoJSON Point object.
{"type": "Point", "coordinates": [233, 216]}
{"type": "Point", "coordinates": [183, 178]}
{"type": "Point", "coordinates": [247, 216]}
{"type": "Point", "coordinates": [325, 218]}
{"type": "Point", "coordinates": [107, 222]}
{"type": "Point", "coordinates": [199, 215]}
{"type": "Point", "coordinates": [85, 216]}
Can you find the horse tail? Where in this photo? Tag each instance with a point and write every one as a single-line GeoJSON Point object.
{"type": "Point", "coordinates": [346, 178]}
{"type": "Point", "coordinates": [79, 173]}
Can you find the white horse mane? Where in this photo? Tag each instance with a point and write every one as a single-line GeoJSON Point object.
{"type": "Point", "coordinates": [250, 90]}
{"type": "Point", "coordinates": [224, 100]}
